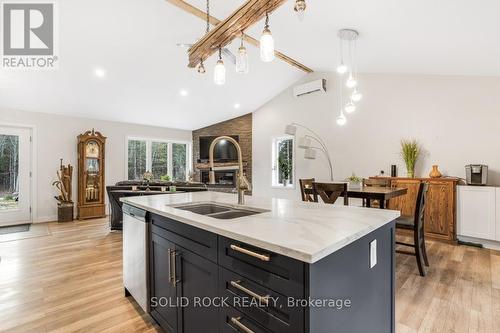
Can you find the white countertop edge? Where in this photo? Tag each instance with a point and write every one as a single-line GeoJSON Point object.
{"type": "Point", "coordinates": [298, 255]}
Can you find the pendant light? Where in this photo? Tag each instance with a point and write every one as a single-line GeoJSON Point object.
{"type": "Point", "coordinates": [242, 65]}
{"type": "Point", "coordinates": [300, 8]}
{"type": "Point", "coordinates": [220, 70]}
{"type": "Point", "coordinates": [201, 68]}
{"type": "Point", "coordinates": [356, 95]}
{"type": "Point", "coordinates": [351, 82]}
{"type": "Point", "coordinates": [350, 107]}
{"type": "Point", "coordinates": [267, 43]}
{"type": "Point", "coordinates": [341, 119]}
{"type": "Point", "coordinates": [341, 68]}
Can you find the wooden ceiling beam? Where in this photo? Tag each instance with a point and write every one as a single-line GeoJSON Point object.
{"type": "Point", "coordinates": [216, 22]}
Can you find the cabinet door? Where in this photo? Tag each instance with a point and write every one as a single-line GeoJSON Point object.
{"type": "Point", "coordinates": [476, 212]}
{"type": "Point", "coordinates": [406, 203]}
{"type": "Point", "coordinates": [497, 213]}
{"type": "Point", "coordinates": [163, 292]}
{"type": "Point", "coordinates": [439, 214]}
{"type": "Point", "coordinates": [197, 282]}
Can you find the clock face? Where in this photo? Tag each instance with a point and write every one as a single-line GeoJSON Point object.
{"type": "Point", "coordinates": [92, 149]}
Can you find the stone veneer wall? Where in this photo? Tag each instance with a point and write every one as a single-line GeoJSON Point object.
{"type": "Point", "coordinates": [241, 126]}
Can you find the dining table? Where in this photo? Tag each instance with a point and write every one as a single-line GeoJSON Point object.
{"type": "Point", "coordinates": [369, 193]}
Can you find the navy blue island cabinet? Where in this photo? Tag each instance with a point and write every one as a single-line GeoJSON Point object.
{"type": "Point", "coordinates": [201, 282]}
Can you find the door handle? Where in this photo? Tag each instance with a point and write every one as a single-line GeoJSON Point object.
{"type": "Point", "coordinates": [262, 299]}
{"type": "Point", "coordinates": [170, 279]}
{"type": "Point", "coordinates": [173, 254]}
{"type": "Point", "coordinates": [263, 257]}
{"type": "Point", "coordinates": [237, 323]}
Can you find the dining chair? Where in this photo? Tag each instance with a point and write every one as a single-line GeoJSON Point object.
{"type": "Point", "coordinates": [378, 182]}
{"type": "Point", "coordinates": [416, 223]}
{"type": "Point", "coordinates": [306, 184]}
{"type": "Point", "coordinates": [330, 192]}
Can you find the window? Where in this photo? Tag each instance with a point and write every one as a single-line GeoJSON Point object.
{"type": "Point", "coordinates": [283, 162]}
{"type": "Point", "coordinates": [179, 153]}
{"type": "Point", "coordinates": [165, 159]}
{"type": "Point", "coordinates": [136, 159]}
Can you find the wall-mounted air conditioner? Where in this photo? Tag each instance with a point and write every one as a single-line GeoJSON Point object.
{"type": "Point", "coordinates": [310, 87]}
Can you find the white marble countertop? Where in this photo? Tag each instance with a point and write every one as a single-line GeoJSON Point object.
{"type": "Point", "coordinates": [304, 231]}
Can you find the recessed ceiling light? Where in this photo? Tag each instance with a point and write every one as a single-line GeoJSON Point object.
{"type": "Point", "coordinates": [99, 72]}
{"type": "Point", "coordinates": [183, 92]}
{"type": "Point", "coordinates": [237, 106]}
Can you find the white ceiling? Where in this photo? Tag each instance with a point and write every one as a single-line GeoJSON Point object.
{"type": "Point", "coordinates": [134, 41]}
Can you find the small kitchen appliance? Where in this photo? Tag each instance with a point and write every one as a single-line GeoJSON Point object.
{"type": "Point", "coordinates": [476, 174]}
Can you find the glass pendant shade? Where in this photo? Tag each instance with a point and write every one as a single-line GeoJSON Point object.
{"type": "Point", "coordinates": [341, 119]}
{"type": "Point", "coordinates": [342, 69]}
{"type": "Point", "coordinates": [267, 46]}
{"type": "Point", "coordinates": [242, 61]}
{"type": "Point", "coordinates": [350, 107]}
{"type": "Point", "coordinates": [300, 8]}
{"type": "Point", "coordinates": [220, 73]}
{"type": "Point", "coordinates": [351, 82]}
{"type": "Point", "coordinates": [356, 96]}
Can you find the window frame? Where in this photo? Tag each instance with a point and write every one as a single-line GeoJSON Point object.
{"type": "Point", "coordinates": [169, 142]}
{"type": "Point", "coordinates": [274, 162]}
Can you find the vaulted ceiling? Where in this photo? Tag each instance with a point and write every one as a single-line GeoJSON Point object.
{"type": "Point", "coordinates": [134, 42]}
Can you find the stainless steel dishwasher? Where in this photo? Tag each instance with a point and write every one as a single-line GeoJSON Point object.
{"type": "Point", "coordinates": [135, 255]}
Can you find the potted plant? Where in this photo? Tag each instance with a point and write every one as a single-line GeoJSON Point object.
{"type": "Point", "coordinates": [354, 181]}
{"type": "Point", "coordinates": [410, 151]}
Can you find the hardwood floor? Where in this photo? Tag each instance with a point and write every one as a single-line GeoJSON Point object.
{"type": "Point", "coordinates": [71, 281]}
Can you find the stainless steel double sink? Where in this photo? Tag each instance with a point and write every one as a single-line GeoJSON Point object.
{"type": "Point", "coordinates": [220, 211]}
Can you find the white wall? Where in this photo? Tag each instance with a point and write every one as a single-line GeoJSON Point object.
{"type": "Point", "coordinates": [57, 138]}
{"type": "Point", "coordinates": [455, 118]}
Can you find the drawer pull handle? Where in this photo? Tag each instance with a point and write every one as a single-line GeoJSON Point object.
{"type": "Point", "coordinates": [236, 321]}
{"type": "Point", "coordinates": [170, 279]}
{"type": "Point", "coordinates": [262, 299]}
{"type": "Point", "coordinates": [263, 257]}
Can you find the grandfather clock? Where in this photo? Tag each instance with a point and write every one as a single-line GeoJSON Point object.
{"type": "Point", "coordinates": [91, 175]}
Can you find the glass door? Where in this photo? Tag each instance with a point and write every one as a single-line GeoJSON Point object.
{"type": "Point", "coordinates": [15, 179]}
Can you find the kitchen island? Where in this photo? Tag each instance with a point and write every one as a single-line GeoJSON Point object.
{"type": "Point", "coordinates": [272, 266]}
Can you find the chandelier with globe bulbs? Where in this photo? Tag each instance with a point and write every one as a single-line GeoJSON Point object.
{"type": "Point", "coordinates": [348, 76]}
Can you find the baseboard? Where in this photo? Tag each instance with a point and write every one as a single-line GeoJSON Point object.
{"type": "Point", "coordinates": [43, 219]}
{"type": "Point", "coordinates": [489, 244]}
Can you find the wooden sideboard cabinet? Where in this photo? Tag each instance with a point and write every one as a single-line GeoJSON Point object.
{"type": "Point", "coordinates": [440, 208]}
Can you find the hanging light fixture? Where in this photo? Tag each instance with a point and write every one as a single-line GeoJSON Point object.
{"type": "Point", "coordinates": [341, 119]}
{"type": "Point", "coordinates": [267, 43]}
{"type": "Point", "coordinates": [201, 68]}
{"type": "Point", "coordinates": [350, 36]}
{"type": "Point", "coordinates": [350, 107]}
{"type": "Point", "coordinates": [300, 8]}
{"type": "Point", "coordinates": [341, 68]}
{"type": "Point", "coordinates": [356, 95]}
{"type": "Point", "coordinates": [351, 82]}
{"type": "Point", "coordinates": [242, 65]}
{"type": "Point", "coordinates": [220, 70]}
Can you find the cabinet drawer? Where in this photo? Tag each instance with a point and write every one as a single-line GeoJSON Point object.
{"type": "Point", "coordinates": [260, 303]}
{"type": "Point", "coordinates": [234, 321]}
{"type": "Point", "coordinates": [274, 271]}
{"type": "Point", "coordinates": [199, 241]}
